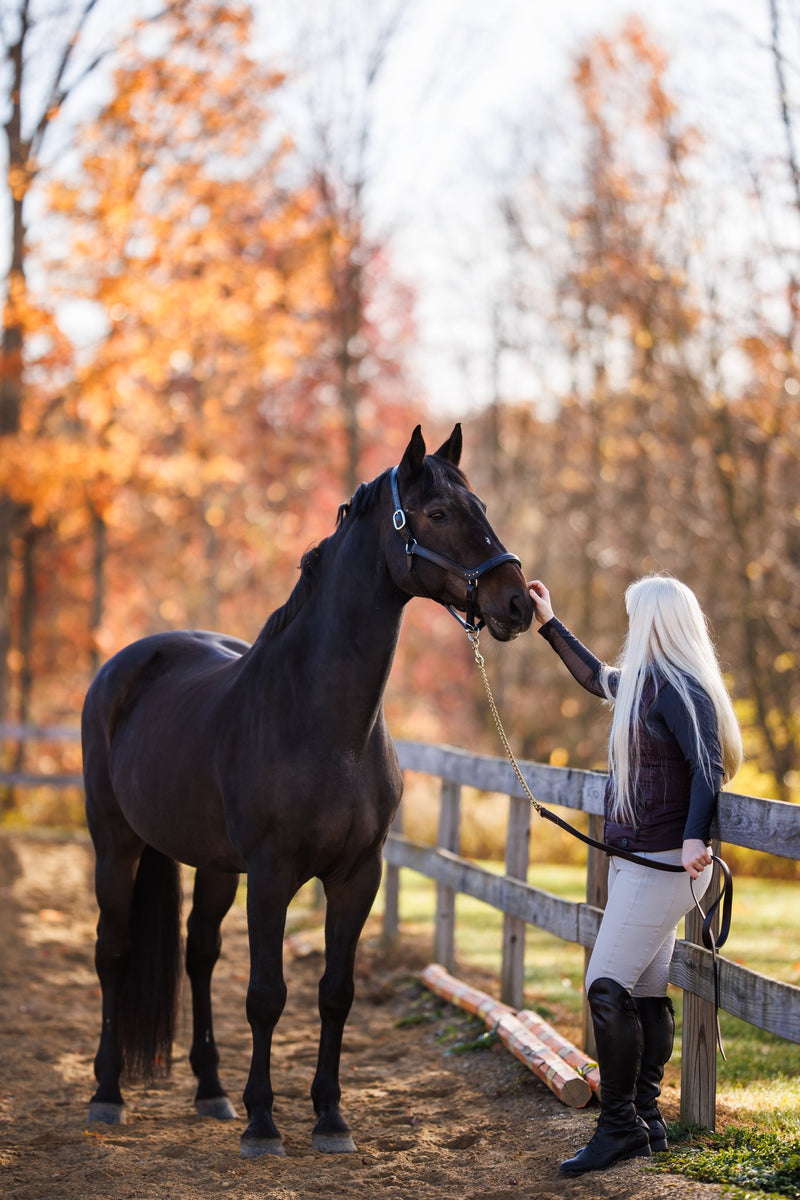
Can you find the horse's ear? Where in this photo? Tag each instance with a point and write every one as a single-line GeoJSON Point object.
{"type": "Point", "coordinates": [451, 449]}
{"type": "Point", "coordinates": [411, 463]}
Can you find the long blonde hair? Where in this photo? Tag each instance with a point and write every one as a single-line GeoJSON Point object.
{"type": "Point", "coordinates": [667, 637]}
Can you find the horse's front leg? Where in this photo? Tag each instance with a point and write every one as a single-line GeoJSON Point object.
{"type": "Point", "coordinates": [214, 892]}
{"type": "Point", "coordinates": [267, 900]}
{"type": "Point", "coordinates": [348, 904]}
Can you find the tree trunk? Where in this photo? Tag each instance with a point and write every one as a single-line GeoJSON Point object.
{"type": "Point", "coordinates": [11, 376]}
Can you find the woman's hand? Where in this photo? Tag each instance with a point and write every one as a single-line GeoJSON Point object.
{"type": "Point", "coordinates": [695, 856]}
{"type": "Point", "coordinates": [542, 609]}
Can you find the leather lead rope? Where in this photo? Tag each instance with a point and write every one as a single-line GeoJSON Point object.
{"type": "Point", "coordinates": [711, 942]}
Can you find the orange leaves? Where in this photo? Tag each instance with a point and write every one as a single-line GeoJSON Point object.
{"type": "Point", "coordinates": [175, 463]}
{"type": "Point", "coordinates": [631, 117]}
{"type": "Point", "coordinates": [19, 180]}
{"type": "Point", "coordinates": [45, 474]}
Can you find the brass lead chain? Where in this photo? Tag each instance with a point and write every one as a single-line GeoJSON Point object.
{"type": "Point", "coordinates": [474, 637]}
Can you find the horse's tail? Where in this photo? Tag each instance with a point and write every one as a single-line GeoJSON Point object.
{"type": "Point", "coordinates": [150, 987]}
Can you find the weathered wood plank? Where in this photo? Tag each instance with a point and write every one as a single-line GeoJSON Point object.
{"type": "Point", "coordinates": [391, 893]}
{"type": "Point", "coordinates": [767, 1003]}
{"type": "Point", "coordinates": [533, 905]}
{"type": "Point", "coordinates": [512, 962]}
{"type": "Point", "coordinates": [699, 1042]}
{"type": "Point", "coordinates": [448, 838]}
{"type": "Point", "coordinates": [561, 786]}
{"type": "Point", "coordinates": [769, 825]}
{"type": "Point", "coordinates": [29, 779]}
{"type": "Point", "coordinates": [596, 895]}
{"type": "Point", "coordinates": [39, 733]}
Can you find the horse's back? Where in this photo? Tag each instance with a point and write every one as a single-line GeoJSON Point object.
{"type": "Point", "coordinates": [184, 657]}
{"type": "Point", "coordinates": [148, 747]}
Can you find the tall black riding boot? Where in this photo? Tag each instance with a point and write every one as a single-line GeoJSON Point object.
{"type": "Point", "coordinates": [657, 1018]}
{"type": "Point", "coordinates": [620, 1132]}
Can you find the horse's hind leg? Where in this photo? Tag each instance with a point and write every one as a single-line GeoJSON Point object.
{"type": "Point", "coordinates": [115, 871]}
{"type": "Point", "coordinates": [214, 892]}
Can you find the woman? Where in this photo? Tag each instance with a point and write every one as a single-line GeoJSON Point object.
{"type": "Point", "coordinates": [674, 740]}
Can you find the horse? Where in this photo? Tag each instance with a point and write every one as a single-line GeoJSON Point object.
{"type": "Point", "coordinates": [273, 760]}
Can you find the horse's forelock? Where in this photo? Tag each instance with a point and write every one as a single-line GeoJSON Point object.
{"type": "Point", "coordinates": [445, 476]}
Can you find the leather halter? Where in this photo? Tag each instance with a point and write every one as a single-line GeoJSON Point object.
{"type": "Point", "coordinates": [470, 574]}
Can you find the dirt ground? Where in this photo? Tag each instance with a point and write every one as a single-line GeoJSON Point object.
{"type": "Point", "coordinates": [427, 1123]}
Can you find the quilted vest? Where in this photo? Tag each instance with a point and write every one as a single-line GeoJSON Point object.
{"type": "Point", "coordinates": [661, 794]}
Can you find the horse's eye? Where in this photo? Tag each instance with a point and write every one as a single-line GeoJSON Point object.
{"type": "Point", "coordinates": [436, 514]}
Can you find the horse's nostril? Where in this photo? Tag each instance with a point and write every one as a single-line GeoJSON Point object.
{"type": "Point", "coordinates": [521, 608]}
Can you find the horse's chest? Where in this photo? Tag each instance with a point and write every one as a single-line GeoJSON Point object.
{"type": "Point", "coordinates": [337, 805]}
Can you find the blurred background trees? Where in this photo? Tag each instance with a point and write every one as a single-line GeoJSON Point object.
{"type": "Point", "coordinates": [211, 334]}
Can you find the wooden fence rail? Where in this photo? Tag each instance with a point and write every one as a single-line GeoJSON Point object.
{"type": "Point", "coordinates": [20, 776]}
{"type": "Point", "coordinates": [767, 825]}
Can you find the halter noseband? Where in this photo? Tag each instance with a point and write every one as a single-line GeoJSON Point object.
{"type": "Point", "coordinates": [470, 575]}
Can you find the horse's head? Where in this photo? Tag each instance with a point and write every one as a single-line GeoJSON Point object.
{"type": "Point", "coordinates": [444, 546]}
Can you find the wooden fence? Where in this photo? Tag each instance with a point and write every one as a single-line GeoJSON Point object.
{"type": "Point", "coordinates": [767, 825]}
{"type": "Point", "coordinates": [20, 776]}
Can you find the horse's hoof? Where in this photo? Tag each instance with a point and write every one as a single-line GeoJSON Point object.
{"type": "Point", "coordinates": [108, 1113]}
{"type": "Point", "coordinates": [218, 1107]}
{"type": "Point", "coordinates": [255, 1147]}
{"type": "Point", "coordinates": [333, 1143]}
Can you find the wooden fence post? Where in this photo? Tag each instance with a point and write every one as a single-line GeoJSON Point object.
{"type": "Point", "coordinates": [391, 892]}
{"type": "Point", "coordinates": [512, 970]}
{"type": "Point", "coordinates": [448, 838]}
{"type": "Point", "coordinates": [699, 1039]}
{"type": "Point", "coordinates": [596, 895]}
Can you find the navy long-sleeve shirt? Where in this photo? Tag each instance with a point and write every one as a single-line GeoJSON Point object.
{"type": "Point", "coordinates": [675, 793]}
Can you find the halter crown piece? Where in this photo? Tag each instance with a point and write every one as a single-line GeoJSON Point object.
{"type": "Point", "coordinates": [470, 574]}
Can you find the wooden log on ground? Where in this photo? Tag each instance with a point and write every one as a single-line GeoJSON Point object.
{"type": "Point", "coordinates": [471, 999]}
{"type": "Point", "coordinates": [586, 1067]}
{"type": "Point", "coordinates": [546, 1064]}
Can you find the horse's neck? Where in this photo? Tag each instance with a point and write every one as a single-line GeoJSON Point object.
{"type": "Point", "coordinates": [356, 612]}
{"type": "Point", "coordinates": [341, 644]}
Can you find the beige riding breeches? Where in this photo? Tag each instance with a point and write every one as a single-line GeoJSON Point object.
{"type": "Point", "coordinates": [637, 933]}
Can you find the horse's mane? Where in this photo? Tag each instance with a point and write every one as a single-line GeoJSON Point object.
{"type": "Point", "coordinates": [313, 562]}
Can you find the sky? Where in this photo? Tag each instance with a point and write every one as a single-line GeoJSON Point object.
{"type": "Point", "coordinates": [464, 82]}
{"type": "Point", "coordinates": [453, 147]}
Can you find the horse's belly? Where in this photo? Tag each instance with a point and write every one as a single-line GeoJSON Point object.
{"type": "Point", "coordinates": [181, 816]}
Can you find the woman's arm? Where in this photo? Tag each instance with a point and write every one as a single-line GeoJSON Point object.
{"type": "Point", "coordinates": [579, 661]}
{"type": "Point", "coordinates": [705, 767]}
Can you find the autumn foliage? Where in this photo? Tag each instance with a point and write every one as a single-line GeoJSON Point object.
{"type": "Point", "coordinates": [246, 352]}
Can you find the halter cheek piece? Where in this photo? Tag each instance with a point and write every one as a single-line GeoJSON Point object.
{"type": "Point", "coordinates": [470, 575]}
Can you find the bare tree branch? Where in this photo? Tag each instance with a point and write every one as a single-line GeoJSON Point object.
{"type": "Point", "coordinates": [58, 92]}
{"type": "Point", "coordinates": [783, 97]}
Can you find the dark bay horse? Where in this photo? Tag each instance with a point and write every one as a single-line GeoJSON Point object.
{"type": "Point", "coordinates": [272, 759]}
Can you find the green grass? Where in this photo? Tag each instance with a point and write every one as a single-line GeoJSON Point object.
{"type": "Point", "coordinates": [750, 1162]}
{"type": "Point", "coordinates": [757, 1149]}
